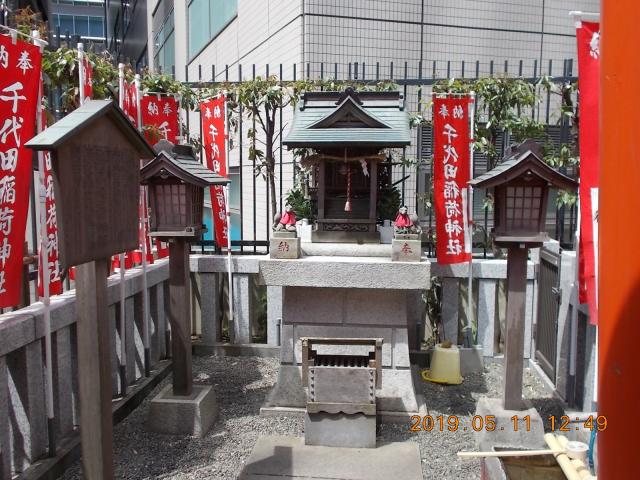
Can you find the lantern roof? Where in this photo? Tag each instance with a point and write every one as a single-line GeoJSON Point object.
{"type": "Point", "coordinates": [523, 160]}
{"type": "Point", "coordinates": [83, 118]}
{"type": "Point", "coordinates": [349, 118]}
{"type": "Point", "coordinates": [179, 161]}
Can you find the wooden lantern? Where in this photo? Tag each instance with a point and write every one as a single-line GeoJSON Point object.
{"type": "Point", "coordinates": [95, 153]}
{"type": "Point", "coordinates": [520, 187]}
{"type": "Point", "coordinates": [176, 181]}
{"type": "Point", "coordinates": [521, 190]}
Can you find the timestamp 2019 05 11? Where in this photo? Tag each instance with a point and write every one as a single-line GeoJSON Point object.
{"type": "Point", "coordinates": [453, 423]}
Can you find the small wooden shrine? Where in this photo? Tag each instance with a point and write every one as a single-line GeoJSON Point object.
{"type": "Point", "coordinates": [348, 132]}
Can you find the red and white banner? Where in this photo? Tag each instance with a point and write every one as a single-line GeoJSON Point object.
{"type": "Point", "coordinates": [87, 76]}
{"type": "Point", "coordinates": [20, 65]}
{"type": "Point", "coordinates": [588, 36]}
{"type": "Point", "coordinates": [213, 114]}
{"type": "Point", "coordinates": [161, 112]}
{"type": "Point", "coordinates": [130, 102]}
{"type": "Point", "coordinates": [51, 222]}
{"type": "Point", "coordinates": [451, 172]}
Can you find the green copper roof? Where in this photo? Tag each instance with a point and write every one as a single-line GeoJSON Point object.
{"type": "Point", "coordinates": [83, 117]}
{"type": "Point", "coordinates": [349, 118]}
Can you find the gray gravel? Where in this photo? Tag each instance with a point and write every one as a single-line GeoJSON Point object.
{"type": "Point", "coordinates": [241, 386]}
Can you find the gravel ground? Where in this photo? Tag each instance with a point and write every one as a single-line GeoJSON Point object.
{"type": "Point", "coordinates": [242, 384]}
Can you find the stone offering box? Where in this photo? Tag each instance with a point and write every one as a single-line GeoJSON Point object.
{"type": "Point", "coordinates": [284, 245]}
{"type": "Point", "coordinates": [95, 156]}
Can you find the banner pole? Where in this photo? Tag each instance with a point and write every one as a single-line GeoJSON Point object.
{"type": "Point", "coordinates": [228, 216]}
{"type": "Point", "coordinates": [143, 219]}
{"type": "Point", "coordinates": [81, 72]}
{"type": "Point", "coordinates": [46, 276]}
{"type": "Point", "coordinates": [468, 341]}
{"type": "Point", "coordinates": [123, 314]}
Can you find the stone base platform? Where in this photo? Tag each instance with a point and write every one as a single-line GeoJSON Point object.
{"type": "Point", "coordinates": [289, 458]}
{"type": "Point", "coordinates": [406, 250]}
{"type": "Point", "coordinates": [340, 430]}
{"type": "Point", "coordinates": [180, 415]}
{"type": "Point", "coordinates": [284, 245]}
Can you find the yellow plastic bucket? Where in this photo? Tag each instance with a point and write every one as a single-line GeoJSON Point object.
{"type": "Point", "coordinates": [445, 366]}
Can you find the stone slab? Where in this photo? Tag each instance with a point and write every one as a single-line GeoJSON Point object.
{"type": "Point", "coordinates": [347, 272]}
{"type": "Point", "coordinates": [344, 306]}
{"type": "Point", "coordinates": [340, 430]}
{"type": "Point", "coordinates": [179, 415]}
{"type": "Point", "coordinates": [347, 249]}
{"type": "Point", "coordinates": [283, 234]}
{"type": "Point", "coordinates": [530, 436]}
{"type": "Point", "coordinates": [289, 458]}
{"type": "Point", "coordinates": [284, 248]}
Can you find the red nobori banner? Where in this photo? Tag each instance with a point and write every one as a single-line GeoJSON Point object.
{"type": "Point", "coordinates": [87, 71]}
{"type": "Point", "coordinates": [161, 112]}
{"type": "Point", "coordinates": [213, 116]}
{"type": "Point", "coordinates": [219, 209]}
{"type": "Point", "coordinates": [451, 172]}
{"type": "Point", "coordinates": [130, 102]}
{"type": "Point", "coordinates": [51, 240]}
{"type": "Point", "coordinates": [588, 36]}
{"type": "Point", "coordinates": [20, 64]}
{"type": "Point", "coordinates": [213, 131]}
{"type": "Point", "coordinates": [49, 211]}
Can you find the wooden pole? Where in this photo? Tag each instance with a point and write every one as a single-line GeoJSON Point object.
{"type": "Point", "coordinates": [180, 315]}
{"type": "Point", "coordinates": [619, 262]}
{"type": "Point", "coordinates": [514, 344]}
{"type": "Point", "coordinates": [94, 369]}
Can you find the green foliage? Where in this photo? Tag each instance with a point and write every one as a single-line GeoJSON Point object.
{"type": "Point", "coordinates": [388, 202]}
{"type": "Point", "coordinates": [300, 204]}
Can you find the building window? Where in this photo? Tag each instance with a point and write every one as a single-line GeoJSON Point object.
{"type": "Point", "coordinates": [164, 46]}
{"type": "Point", "coordinates": [207, 18]}
{"type": "Point", "coordinates": [88, 27]}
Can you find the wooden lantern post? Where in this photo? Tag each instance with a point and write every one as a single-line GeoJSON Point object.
{"type": "Point", "coordinates": [176, 181]}
{"type": "Point", "coordinates": [520, 183]}
{"type": "Point", "coordinates": [95, 153]}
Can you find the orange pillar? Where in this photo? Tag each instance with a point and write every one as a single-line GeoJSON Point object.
{"type": "Point", "coordinates": [619, 264]}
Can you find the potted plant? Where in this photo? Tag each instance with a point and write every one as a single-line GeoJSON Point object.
{"type": "Point", "coordinates": [303, 208]}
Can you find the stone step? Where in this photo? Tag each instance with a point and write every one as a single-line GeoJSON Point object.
{"type": "Point", "coordinates": [278, 457]}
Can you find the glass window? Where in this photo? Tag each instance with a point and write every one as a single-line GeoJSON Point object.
{"type": "Point", "coordinates": [96, 27]}
{"type": "Point", "coordinates": [207, 19]}
{"type": "Point", "coordinates": [66, 24]}
{"type": "Point", "coordinates": [81, 24]}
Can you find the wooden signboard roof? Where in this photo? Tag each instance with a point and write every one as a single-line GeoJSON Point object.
{"type": "Point", "coordinates": [349, 118]}
{"type": "Point", "coordinates": [83, 117]}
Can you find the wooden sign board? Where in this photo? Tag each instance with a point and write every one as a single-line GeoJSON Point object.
{"type": "Point", "coordinates": [95, 153]}
{"type": "Point", "coordinates": [97, 183]}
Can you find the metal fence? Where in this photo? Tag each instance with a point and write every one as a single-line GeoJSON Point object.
{"type": "Point", "coordinates": [412, 178]}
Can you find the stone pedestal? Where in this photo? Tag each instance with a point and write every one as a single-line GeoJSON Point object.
{"type": "Point", "coordinates": [529, 434]}
{"type": "Point", "coordinates": [284, 245]}
{"type": "Point", "coordinates": [183, 415]}
{"type": "Point", "coordinates": [340, 430]}
{"type": "Point", "coordinates": [340, 297]}
{"type": "Point", "coordinates": [406, 248]}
